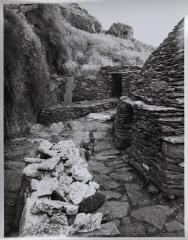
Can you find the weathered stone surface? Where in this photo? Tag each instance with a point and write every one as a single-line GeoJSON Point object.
{"type": "Point", "coordinates": [107, 230]}
{"type": "Point", "coordinates": [32, 170]}
{"type": "Point", "coordinates": [57, 128]}
{"type": "Point", "coordinates": [46, 186]}
{"type": "Point", "coordinates": [79, 191]}
{"type": "Point", "coordinates": [33, 160]}
{"type": "Point", "coordinates": [51, 206]}
{"type": "Point", "coordinates": [133, 230]}
{"type": "Point", "coordinates": [100, 117]}
{"type": "Point", "coordinates": [91, 204]}
{"type": "Point", "coordinates": [121, 30]}
{"type": "Point", "coordinates": [115, 209]}
{"type": "Point", "coordinates": [49, 164]}
{"type": "Point", "coordinates": [112, 195]}
{"type": "Point", "coordinates": [156, 215]}
{"type": "Point", "coordinates": [59, 219]}
{"type": "Point", "coordinates": [137, 196]}
{"type": "Point", "coordinates": [29, 220]}
{"type": "Point", "coordinates": [126, 177]}
{"type": "Point", "coordinates": [87, 222]}
{"type": "Point", "coordinates": [108, 185]}
{"type": "Point", "coordinates": [174, 226]}
{"type": "Point", "coordinates": [81, 174]}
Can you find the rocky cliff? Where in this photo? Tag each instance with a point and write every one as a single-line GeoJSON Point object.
{"type": "Point", "coordinates": [80, 18]}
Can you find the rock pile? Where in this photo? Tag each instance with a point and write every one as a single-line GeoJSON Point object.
{"type": "Point", "coordinates": [62, 195]}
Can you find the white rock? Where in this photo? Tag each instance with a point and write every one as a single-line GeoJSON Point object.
{"type": "Point", "coordinates": [81, 173]}
{"type": "Point", "coordinates": [46, 186]}
{"type": "Point", "coordinates": [102, 117]}
{"type": "Point", "coordinates": [94, 184]}
{"type": "Point", "coordinates": [49, 164]}
{"type": "Point", "coordinates": [29, 220]}
{"type": "Point", "coordinates": [45, 144]}
{"type": "Point", "coordinates": [33, 160]}
{"type": "Point", "coordinates": [65, 179]}
{"type": "Point", "coordinates": [59, 170]}
{"type": "Point", "coordinates": [79, 191]}
{"type": "Point", "coordinates": [51, 206]}
{"type": "Point", "coordinates": [73, 160]}
{"type": "Point", "coordinates": [87, 222]}
{"type": "Point", "coordinates": [32, 170]}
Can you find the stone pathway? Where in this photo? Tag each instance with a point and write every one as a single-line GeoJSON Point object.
{"type": "Point", "coordinates": [134, 210]}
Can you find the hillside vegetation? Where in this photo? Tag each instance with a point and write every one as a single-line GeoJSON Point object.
{"type": "Point", "coordinates": [40, 42]}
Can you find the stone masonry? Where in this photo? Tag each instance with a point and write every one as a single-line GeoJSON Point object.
{"type": "Point", "coordinates": [151, 119]}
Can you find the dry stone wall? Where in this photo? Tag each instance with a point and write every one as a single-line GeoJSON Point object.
{"type": "Point", "coordinates": [62, 198]}
{"type": "Point", "coordinates": [150, 119]}
{"type": "Point", "coordinates": [62, 112]}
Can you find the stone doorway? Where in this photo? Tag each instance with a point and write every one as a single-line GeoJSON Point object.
{"type": "Point", "coordinates": [116, 85]}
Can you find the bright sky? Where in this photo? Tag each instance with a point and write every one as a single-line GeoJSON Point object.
{"type": "Point", "coordinates": [152, 20]}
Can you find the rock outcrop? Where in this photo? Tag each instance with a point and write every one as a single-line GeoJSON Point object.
{"type": "Point", "coordinates": [121, 30]}
{"type": "Point", "coordinates": [80, 18]}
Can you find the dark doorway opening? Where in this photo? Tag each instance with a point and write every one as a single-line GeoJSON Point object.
{"type": "Point", "coordinates": [116, 85]}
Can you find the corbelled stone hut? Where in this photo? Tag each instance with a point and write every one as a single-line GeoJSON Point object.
{"type": "Point", "coordinates": [150, 119]}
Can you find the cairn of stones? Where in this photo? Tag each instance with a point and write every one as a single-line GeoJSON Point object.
{"type": "Point", "coordinates": [62, 197]}
{"type": "Point", "coordinates": [150, 118]}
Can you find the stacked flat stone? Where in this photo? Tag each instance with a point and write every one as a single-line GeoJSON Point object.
{"type": "Point", "coordinates": [105, 81]}
{"type": "Point", "coordinates": [62, 197]}
{"type": "Point", "coordinates": [123, 121]}
{"type": "Point", "coordinates": [156, 104]}
{"type": "Point", "coordinates": [63, 112]}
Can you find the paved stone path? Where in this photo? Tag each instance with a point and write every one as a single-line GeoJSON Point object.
{"type": "Point", "coordinates": [135, 211]}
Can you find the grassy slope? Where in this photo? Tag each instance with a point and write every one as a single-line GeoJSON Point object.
{"type": "Point", "coordinates": [26, 74]}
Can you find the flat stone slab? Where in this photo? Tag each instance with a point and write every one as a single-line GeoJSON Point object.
{"type": "Point", "coordinates": [137, 196]}
{"type": "Point", "coordinates": [155, 215]}
{"type": "Point", "coordinates": [108, 185]}
{"type": "Point", "coordinates": [115, 209]}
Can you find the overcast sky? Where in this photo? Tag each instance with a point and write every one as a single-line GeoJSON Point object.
{"type": "Point", "coordinates": [151, 19]}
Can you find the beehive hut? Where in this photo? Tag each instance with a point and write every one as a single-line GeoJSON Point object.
{"type": "Point", "coordinates": [150, 119]}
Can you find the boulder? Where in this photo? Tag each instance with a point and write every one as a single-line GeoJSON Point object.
{"type": "Point", "coordinates": [32, 170]}
{"type": "Point", "coordinates": [91, 204]}
{"type": "Point", "coordinates": [49, 164]}
{"type": "Point", "coordinates": [81, 173]}
{"type": "Point", "coordinates": [51, 206]}
{"type": "Point", "coordinates": [45, 186]}
{"type": "Point", "coordinates": [79, 191]}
